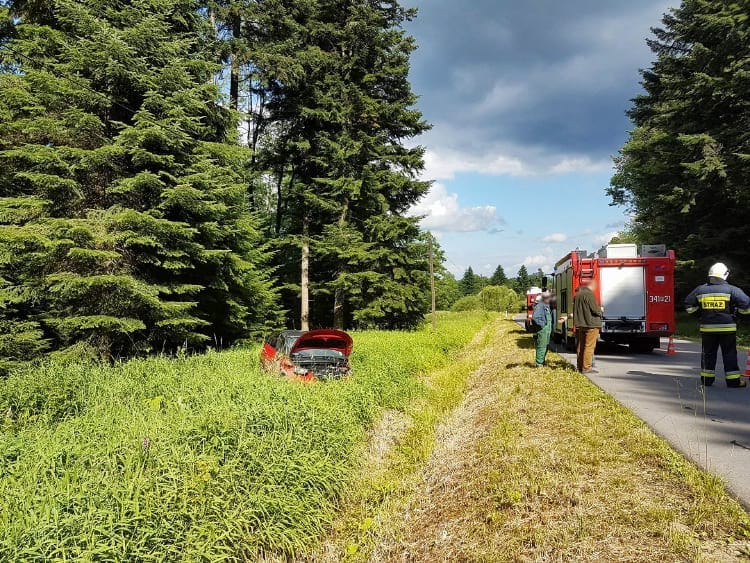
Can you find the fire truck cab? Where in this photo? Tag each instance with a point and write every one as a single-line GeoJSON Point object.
{"type": "Point", "coordinates": [531, 295]}
{"type": "Point", "coordinates": [635, 287]}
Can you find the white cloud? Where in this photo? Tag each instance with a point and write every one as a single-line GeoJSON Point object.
{"type": "Point", "coordinates": [580, 165]}
{"type": "Point", "coordinates": [555, 237]}
{"type": "Point", "coordinates": [604, 238]}
{"type": "Point", "coordinates": [445, 164]}
{"type": "Point", "coordinates": [442, 212]}
{"type": "Point", "coordinates": [538, 260]}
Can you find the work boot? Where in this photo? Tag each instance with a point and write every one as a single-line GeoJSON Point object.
{"type": "Point", "coordinates": [737, 383]}
{"type": "Point", "coordinates": [707, 381]}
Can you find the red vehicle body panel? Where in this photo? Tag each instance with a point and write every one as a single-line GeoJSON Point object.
{"type": "Point", "coordinates": [530, 304]}
{"type": "Point", "coordinates": [658, 290]}
{"type": "Point", "coordinates": [329, 339]}
{"type": "Point", "coordinates": [277, 351]}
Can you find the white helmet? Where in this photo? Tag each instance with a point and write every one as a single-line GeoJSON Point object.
{"type": "Point", "coordinates": [719, 271]}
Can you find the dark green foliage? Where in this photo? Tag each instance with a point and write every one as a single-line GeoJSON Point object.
{"type": "Point", "coordinates": [685, 171]}
{"type": "Point", "coordinates": [123, 211]}
{"type": "Point", "coordinates": [499, 277]}
{"type": "Point", "coordinates": [344, 180]}
{"type": "Point", "coordinates": [469, 283]}
{"type": "Point", "coordinates": [523, 280]}
{"type": "Point", "coordinates": [131, 218]}
{"type": "Point", "coordinates": [447, 290]}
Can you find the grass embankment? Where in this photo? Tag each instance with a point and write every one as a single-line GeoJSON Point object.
{"type": "Point", "coordinates": [202, 458]}
{"type": "Point", "coordinates": [688, 327]}
{"type": "Point", "coordinates": [543, 465]}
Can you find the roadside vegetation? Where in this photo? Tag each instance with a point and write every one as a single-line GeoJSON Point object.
{"type": "Point", "coordinates": [688, 327]}
{"type": "Point", "coordinates": [543, 465]}
{"type": "Point", "coordinates": [200, 458]}
{"type": "Point", "coordinates": [491, 298]}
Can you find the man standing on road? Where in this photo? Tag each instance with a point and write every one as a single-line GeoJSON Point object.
{"type": "Point", "coordinates": [542, 320]}
{"type": "Point", "coordinates": [718, 303]}
{"type": "Point", "coordinates": [587, 318]}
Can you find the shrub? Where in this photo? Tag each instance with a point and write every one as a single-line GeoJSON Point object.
{"type": "Point", "coordinates": [468, 303]}
{"type": "Point", "coordinates": [491, 298]}
{"type": "Point", "coordinates": [498, 298]}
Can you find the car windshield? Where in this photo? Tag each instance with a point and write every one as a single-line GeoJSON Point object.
{"type": "Point", "coordinates": [289, 340]}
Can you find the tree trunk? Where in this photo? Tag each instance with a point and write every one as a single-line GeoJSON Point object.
{"type": "Point", "coordinates": [338, 307]}
{"type": "Point", "coordinates": [305, 278]}
{"type": "Point", "coordinates": [339, 296]}
{"type": "Point", "coordinates": [234, 79]}
{"type": "Point", "coordinates": [280, 195]}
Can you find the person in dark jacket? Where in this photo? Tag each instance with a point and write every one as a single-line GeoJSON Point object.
{"type": "Point", "coordinates": [718, 303]}
{"type": "Point", "coordinates": [587, 318]}
{"type": "Point", "coordinates": [542, 319]}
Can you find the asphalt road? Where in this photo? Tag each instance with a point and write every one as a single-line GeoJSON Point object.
{"type": "Point", "coordinates": [712, 428]}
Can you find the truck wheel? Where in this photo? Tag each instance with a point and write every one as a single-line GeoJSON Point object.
{"type": "Point", "coordinates": [644, 346]}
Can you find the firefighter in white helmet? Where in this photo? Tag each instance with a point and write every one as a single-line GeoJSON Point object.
{"type": "Point", "coordinates": [718, 303]}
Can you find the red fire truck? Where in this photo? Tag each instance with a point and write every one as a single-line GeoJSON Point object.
{"type": "Point", "coordinates": [635, 287]}
{"type": "Point", "coordinates": [531, 296]}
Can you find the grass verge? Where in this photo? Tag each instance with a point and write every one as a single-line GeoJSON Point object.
{"type": "Point", "coordinates": [688, 327]}
{"type": "Point", "coordinates": [542, 465]}
{"type": "Point", "coordinates": [396, 452]}
{"type": "Point", "coordinates": [202, 458]}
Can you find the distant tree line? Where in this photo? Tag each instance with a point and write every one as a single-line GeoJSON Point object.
{"type": "Point", "coordinates": [684, 174]}
{"type": "Point", "coordinates": [191, 173]}
{"type": "Point", "coordinates": [462, 293]}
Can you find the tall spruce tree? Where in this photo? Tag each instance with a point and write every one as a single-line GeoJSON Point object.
{"type": "Point", "coordinates": [523, 280]}
{"type": "Point", "coordinates": [342, 115]}
{"type": "Point", "coordinates": [685, 171]}
{"type": "Point", "coordinates": [469, 283]}
{"type": "Point", "coordinates": [499, 277]}
{"type": "Point", "coordinates": [123, 207]}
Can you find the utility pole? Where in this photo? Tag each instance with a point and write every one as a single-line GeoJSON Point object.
{"type": "Point", "coordinates": [432, 285]}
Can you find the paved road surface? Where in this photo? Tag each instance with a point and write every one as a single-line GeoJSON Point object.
{"type": "Point", "coordinates": [711, 428]}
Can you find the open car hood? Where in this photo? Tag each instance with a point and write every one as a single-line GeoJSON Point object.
{"type": "Point", "coordinates": [324, 339]}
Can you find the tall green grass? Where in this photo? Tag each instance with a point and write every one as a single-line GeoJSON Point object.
{"type": "Point", "coordinates": [204, 458]}
{"type": "Point", "coordinates": [688, 326]}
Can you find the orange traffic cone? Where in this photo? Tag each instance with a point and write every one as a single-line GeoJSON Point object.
{"type": "Point", "coordinates": [747, 365]}
{"type": "Point", "coordinates": [671, 351]}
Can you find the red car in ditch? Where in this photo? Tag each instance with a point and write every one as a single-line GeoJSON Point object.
{"type": "Point", "coordinates": [321, 355]}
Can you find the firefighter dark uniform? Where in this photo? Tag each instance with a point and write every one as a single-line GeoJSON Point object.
{"type": "Point", "coordinates": [719, 303]}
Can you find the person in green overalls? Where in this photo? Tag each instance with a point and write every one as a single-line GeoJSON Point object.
{"type": "Point", "coordinates": [542, 320]}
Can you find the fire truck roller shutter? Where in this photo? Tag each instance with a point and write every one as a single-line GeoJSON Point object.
{"type": "Point", "coordinates": [623, 292]}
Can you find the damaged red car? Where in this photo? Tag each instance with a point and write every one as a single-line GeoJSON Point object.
{"type": "Point", "coordinates": [313, 355]}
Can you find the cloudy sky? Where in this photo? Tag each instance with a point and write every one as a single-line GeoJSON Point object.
{"type": "Point", "coordinates": [528, 104]}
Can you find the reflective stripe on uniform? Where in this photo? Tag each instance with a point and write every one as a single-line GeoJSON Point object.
{"type": "Point", "coordinates": [733, 375]}
{"type": "Point", "coordinates": [719, 328]}
{"type": "Point", "coordinates": [715, 301]}
{"type": "Point", "coordinates": [743, 311]}
{"type": "Point", "coordinates": [709, 374]}
{"type": "Point", "coordinates": [692, 310]}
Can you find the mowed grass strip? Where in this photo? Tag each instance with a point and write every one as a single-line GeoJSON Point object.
{"type": "Point", "coordinates": [541, 465]}
{"type": "Point", "coordinates": [204, 458]}
{"type": "Point", "coordinates": [397, 448]}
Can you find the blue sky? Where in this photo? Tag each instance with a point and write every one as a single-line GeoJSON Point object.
{"type": "Point", "coordinates": [528, 103]}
